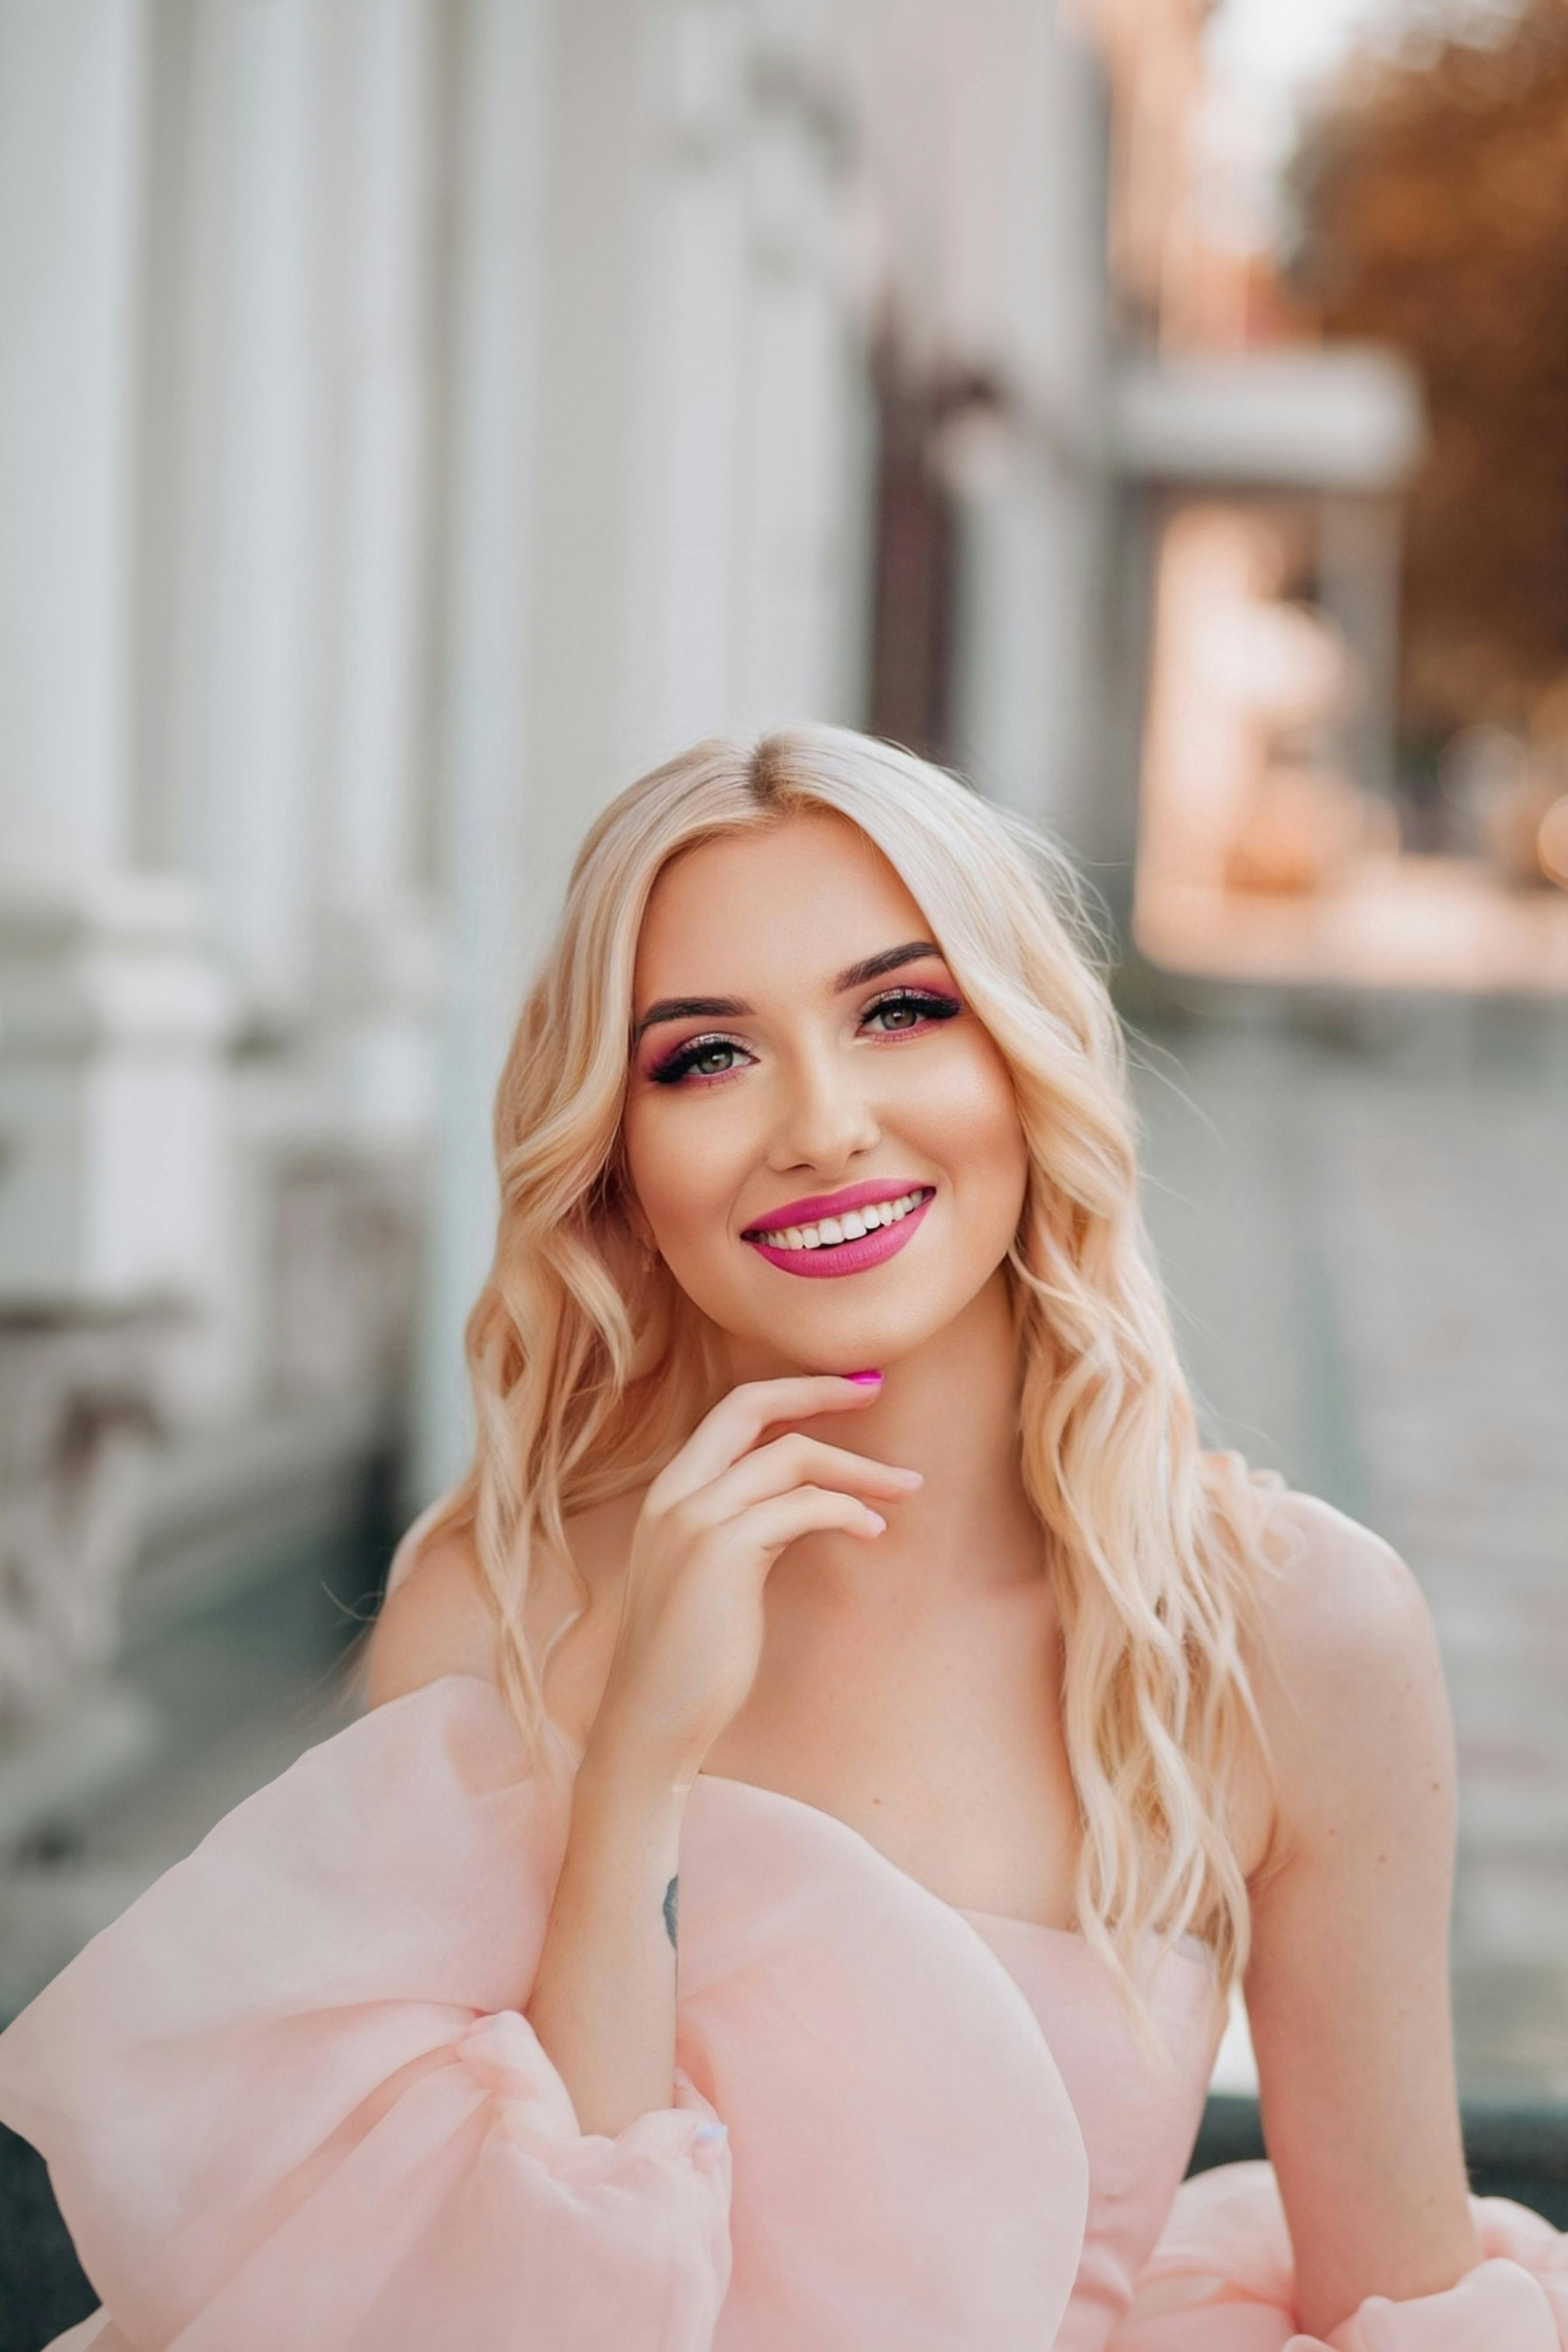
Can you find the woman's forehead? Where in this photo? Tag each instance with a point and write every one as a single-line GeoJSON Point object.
{"type": "Point", "coordinates": [813, 890]}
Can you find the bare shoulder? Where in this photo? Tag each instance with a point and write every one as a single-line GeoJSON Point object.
{"type": "Point", "coordinates": [441, 1620]}
{"type": "Point", "coordinates": [1340, 1604]}
{"type": "Point", "coordinates": [438, 1621]}
{"type": "Point", "coordinates": [1346, 1669]}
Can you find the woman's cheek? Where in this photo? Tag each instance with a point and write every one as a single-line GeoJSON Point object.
{"type": "Point", "coordinates": [974, 1121]}
{"type": "Point", "coordinates": [686, 1191]}
{"type": "Point", "coordinates": [653, 1163]}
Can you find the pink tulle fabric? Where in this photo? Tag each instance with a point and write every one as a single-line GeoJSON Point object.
{"type": "Point", "coordinates": [291, 2103]}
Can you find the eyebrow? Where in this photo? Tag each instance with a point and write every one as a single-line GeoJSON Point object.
{"type": "Point", "coordinates": [730, 1008]}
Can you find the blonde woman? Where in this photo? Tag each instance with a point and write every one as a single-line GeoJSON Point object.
{"type": "Point", "coordinates": [829, 1762]}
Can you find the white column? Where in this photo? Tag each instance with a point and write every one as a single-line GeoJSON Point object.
{"type": "Point", "coordinates": [806, 496]}
{"type": "Point", "coordinates": [110, 1013]}
{"type": "Point", "coordinates": [109, 1007]}
{"type": "Point", "coordinates": [498, 134]}
{"type": "Point", "coordinates": [375, 942]}
{"type": "Point", "coordinates": [743, 551]}
{"type": "Point", "coordinates": [685, 386]}
{"type": "Point", "coordinates": [70, 96]}
{"type": "Point", "coordinates": [244, 676]}
{"type": "Point", "coordinates": [603, 401]}
{"type": "Point", "coordinates": [380, 302]}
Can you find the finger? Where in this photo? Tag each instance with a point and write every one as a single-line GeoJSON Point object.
{"type": "Point", "coordinates": [793, 1461]}
{"type": "Point", "coordinates": [768, 1527]}
{"type": "Point", "coordinates": [733, 1426]}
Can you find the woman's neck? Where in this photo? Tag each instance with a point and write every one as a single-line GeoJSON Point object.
{"type": "Point", "coordinates": [950, 1408]}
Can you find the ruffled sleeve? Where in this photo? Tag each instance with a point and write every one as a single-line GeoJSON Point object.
{"type": "Point", "coordinates": [290, 2098]}
{"type": "Point", "coordinates": [1221, 2280]}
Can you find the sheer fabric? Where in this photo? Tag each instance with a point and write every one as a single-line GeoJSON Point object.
{"type": "Point", "coordinates": [291, 2103]}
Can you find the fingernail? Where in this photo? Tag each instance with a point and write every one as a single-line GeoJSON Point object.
{"type": "Point", "coordinates": [864, 1378]}
{"type": "Point", "coordinates": [877, 1521]}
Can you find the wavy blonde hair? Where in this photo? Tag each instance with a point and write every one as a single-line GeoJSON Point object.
{"type": "Point", "coordinates": [590, 1368]}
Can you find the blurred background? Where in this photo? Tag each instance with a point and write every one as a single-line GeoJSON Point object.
{"type": "Point", "coordinates": [418, 416]}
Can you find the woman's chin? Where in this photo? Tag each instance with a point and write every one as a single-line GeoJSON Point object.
{"type": "Point", "coordinates": [818, 1341]}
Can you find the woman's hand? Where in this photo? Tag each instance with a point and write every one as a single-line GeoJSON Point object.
{"type": "Point", "coordinates": [710, 1528]}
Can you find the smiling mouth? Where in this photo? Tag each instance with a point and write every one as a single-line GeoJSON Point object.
{"type": "Point", "coordinates": [851, 1243]}
{"type": "Point", "coordinates": [851, 1225]}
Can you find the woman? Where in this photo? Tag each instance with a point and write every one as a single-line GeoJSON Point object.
{"type": "Point", "coordinates": [840, 1601]}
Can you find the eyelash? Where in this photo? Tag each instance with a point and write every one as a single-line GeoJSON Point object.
{"type": "Point", "coordinates": [673, 1069]}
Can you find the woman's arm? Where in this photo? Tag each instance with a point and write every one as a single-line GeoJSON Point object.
{"type": "Point", "coordinates": [603, 2003]}
{"type": "Point", "coordinates": [688, 1630]}
{"type": "Point", "coordinates": [289, 2097]}
{"type": "Point", "coordinates": [1347, 1990]}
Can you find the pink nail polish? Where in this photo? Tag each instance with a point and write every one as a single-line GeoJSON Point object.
{"type": "Point", "coordinates": [864, 1377]}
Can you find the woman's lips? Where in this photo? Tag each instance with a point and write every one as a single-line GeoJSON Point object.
{"type": "Point", "coordinates": [816, 1205]}
{"type": "Point", "coordinates": [845, 1257]}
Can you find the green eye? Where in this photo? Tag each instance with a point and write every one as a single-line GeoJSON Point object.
{"type": "Point", "coordinates": [922, 1004]}
{"type": "Point", "coordinates": [688, 1057]}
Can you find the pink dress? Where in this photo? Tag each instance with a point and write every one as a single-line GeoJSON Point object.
{"type": "Point", "coordinates": [291, 2103]}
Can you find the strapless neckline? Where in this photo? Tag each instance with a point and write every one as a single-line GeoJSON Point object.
{"type": "Point", "coordinates": [1132, 2111]}
{"type": "Point", "coordinates": [966, 1911]}
{"type": "Point", "coordinates": [1186, 1947]}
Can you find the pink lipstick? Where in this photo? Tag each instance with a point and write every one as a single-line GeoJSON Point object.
{"type": "Point", "coordinates": [846, 1256]}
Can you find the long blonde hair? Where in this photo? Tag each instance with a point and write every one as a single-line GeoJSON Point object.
{"type": "Point", "coordinates": [589, 1368]}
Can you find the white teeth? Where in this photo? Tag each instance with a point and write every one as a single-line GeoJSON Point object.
{"type": "Point", "coordinates": [829, 1232]}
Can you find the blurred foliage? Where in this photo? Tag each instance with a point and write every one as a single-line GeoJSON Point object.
{"type": "Point", "coordinates": [1432, 198]}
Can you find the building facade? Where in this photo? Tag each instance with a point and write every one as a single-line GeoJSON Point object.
{"type": "Point", "coordinates": [416, 417]}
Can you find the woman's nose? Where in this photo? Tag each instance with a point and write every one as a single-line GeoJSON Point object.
{"type": "Point", "coordinates": [826, 1115]}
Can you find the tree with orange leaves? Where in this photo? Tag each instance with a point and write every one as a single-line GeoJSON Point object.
{"type": "Point", "coordinates": [1433, 199]}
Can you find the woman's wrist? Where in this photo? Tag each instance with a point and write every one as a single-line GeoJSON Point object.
{"type": "Point", "coordinates": [626, 1814]}
{"type": "Point", "coordinates": [623, 1769]}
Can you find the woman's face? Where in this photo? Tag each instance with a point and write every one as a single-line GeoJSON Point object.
{"type": "Point", "coordinates": [801, 1048]}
